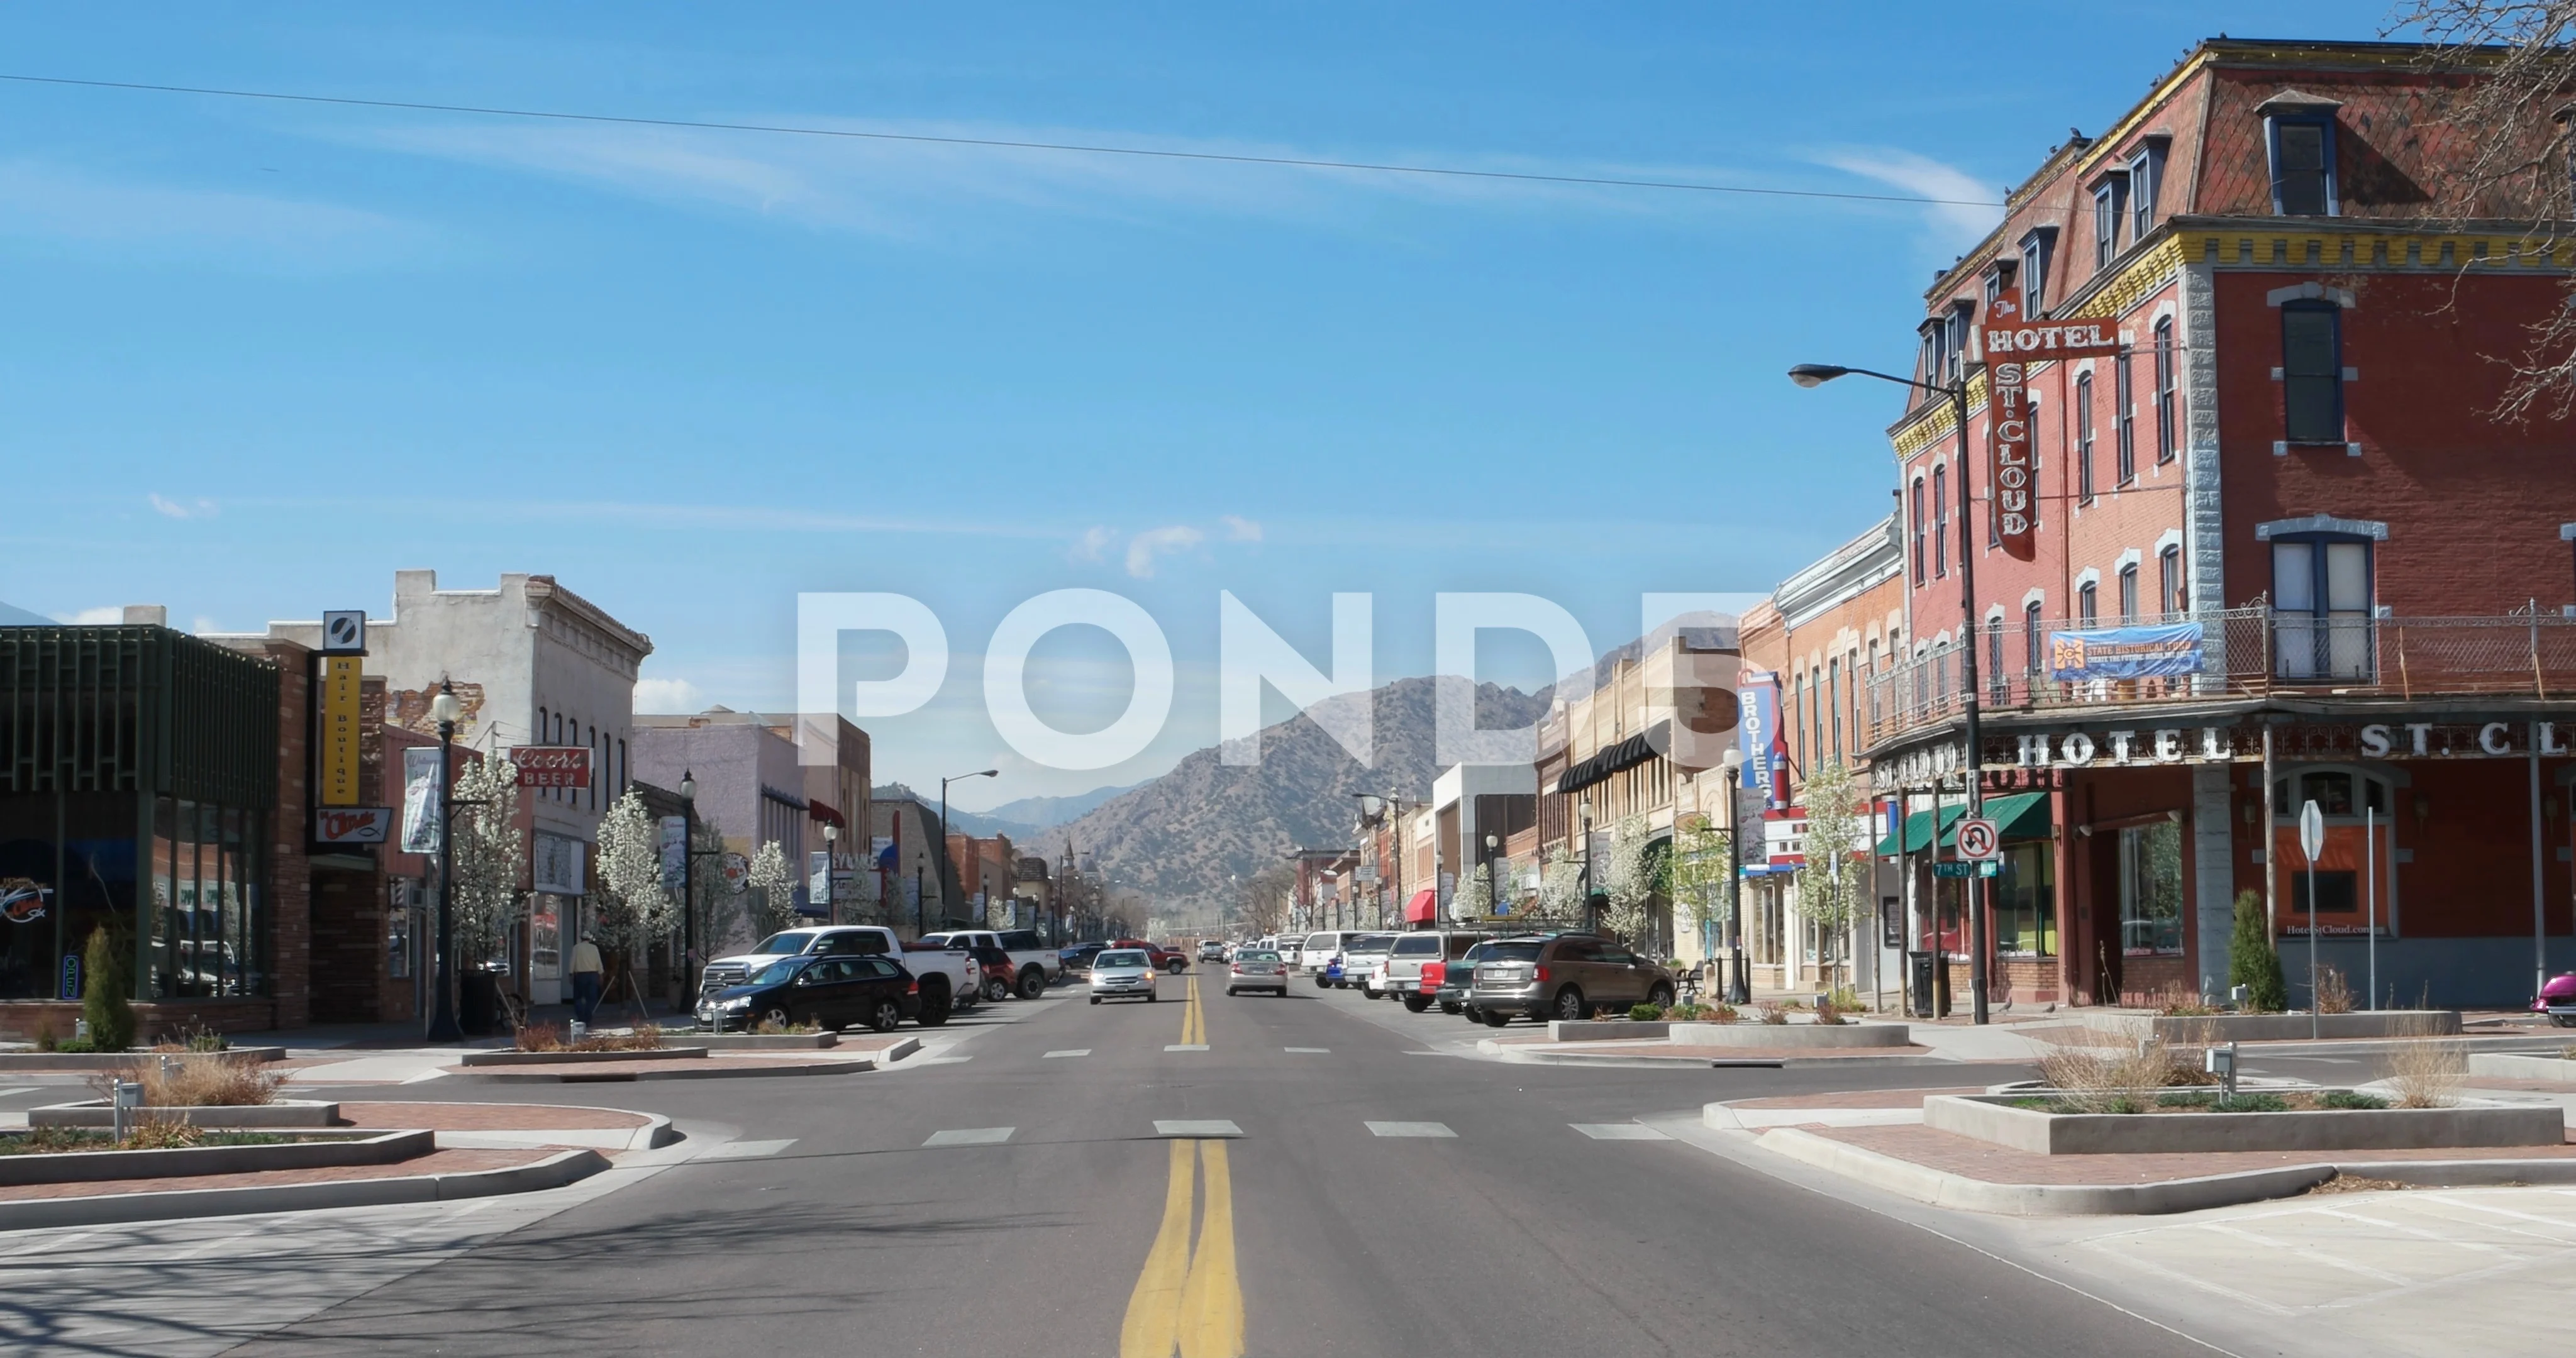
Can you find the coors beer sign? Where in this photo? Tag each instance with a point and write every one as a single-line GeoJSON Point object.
{"type": "Point", "coordinates": [2006, 339]}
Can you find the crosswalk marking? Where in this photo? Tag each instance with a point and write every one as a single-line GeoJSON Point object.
{"type": "Point", "coordinates": [1069, 1051]}
{"type": "Point", "coordinates": [1185, 1046]}
{"type": "Point", "coordinates": [1196, 1127]}
{"type": "Point", "coordinates": [22, 1089]}
{"type": "Point", "coordinates": [1618, 1131]}
{"type": "Point", "coordinates": [970, 1136]}
{"type": "Point", "coordinates": [1308, 1051]}
{"type": "Point", "coordinates": [1410, 1129]}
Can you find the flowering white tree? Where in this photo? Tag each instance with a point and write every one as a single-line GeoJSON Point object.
{"type": "Point", "coordinates": [1475, 896]}
{"type": "Point", "coordinates": [632, 909]}
{"type": "Point", "coordinates": [490, 858]}
{"type": "Point", "coordinates": [1560, 890]}
{"type": "Point", "coordinates": [1834, 881]}
{"type": "Point", "coordinates": [773, 887]}
{"type": "Point", "coordinates": [1698, 871]}
{"type": "Point", "coordinates": [1629, 879]}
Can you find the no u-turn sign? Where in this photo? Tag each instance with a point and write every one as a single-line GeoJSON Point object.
{"type": "Point", "coordinates": [1978, 840]}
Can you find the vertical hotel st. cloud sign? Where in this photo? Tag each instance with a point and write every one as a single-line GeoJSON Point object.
{"type": "Point", "coordinates": [2010, 343]}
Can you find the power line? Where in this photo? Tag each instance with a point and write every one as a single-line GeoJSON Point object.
{"type": "Point", "coordinates": [1296, 162]}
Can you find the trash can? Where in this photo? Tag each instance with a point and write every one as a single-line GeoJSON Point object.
{"type": "Point", "coordinates": [1918, 993]}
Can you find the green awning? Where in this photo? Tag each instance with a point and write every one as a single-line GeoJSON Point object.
{"type": "Point", "coordinates": [2020, 815]}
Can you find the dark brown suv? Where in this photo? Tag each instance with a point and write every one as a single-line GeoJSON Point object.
{"type": "Point", "coordinates": [1563, 976]}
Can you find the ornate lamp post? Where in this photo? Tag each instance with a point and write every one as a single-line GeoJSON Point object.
{"type": "Point", "coordinates": [1739, 983]}
{"type": "Point", "coordinates": [446, 710]}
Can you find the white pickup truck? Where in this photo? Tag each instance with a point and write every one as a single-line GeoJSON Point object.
{"type": "Point", "coordinates": [1034, 965]}
{"type": "Point", "coordinates": [948, 976]}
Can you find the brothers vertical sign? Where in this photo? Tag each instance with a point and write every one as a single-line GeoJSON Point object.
{"type": "Point", "coordinates": [2007, 338]}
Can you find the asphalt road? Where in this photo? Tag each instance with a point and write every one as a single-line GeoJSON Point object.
{"type": "Point", "coordinates": [1083, 1230]}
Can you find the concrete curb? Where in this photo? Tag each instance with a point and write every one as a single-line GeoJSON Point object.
{"type": "Point", "coordinates": [375, 1148]}
{"type": "Point", "coordinates": [2513, 1066]}
{"type": "Point", "coordinates": [47, 1213]}
{"type": "Point", "coordinates": [282, 1115]}
{"type": "Point", "coordinates": [16, 1063]}
{"type": "Point", "coordinates": [1941, 1188]}
{"type": "Point", "coordinates": [764, 1041]}
{"type": "Point", "coordinates": [706, 1070]}
{"type": "Point", "coordinates": [656, 1132]}
{"type": "Point", "coordinates": [902, 1048]}
{"type": "Point", "coordinates": [1541, 1056]}
{"type": "Point", "coordinates": [570, 1058]}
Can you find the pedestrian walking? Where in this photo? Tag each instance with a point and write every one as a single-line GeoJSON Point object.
{"type": "Point", "coordinates": [585, 979]}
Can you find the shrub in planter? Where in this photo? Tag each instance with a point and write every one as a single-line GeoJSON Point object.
{"type": "Point", "coordinates": [1645, 1013]}
{"type": "Point", "coordinates": [2252, 962]}
{"type": "Point", "coordinates": [103, 992]}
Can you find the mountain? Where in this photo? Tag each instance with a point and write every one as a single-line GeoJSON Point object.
{"type": "Point", "coordinates": [1024, 820]}
{"type": "Point", "coordinates": [1180, 837]}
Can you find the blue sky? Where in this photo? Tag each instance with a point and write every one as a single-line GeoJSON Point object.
{"type": "Point", "coordinates": [261, 355]}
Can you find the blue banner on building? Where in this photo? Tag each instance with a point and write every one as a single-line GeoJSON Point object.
{"type": "Point", "coordinates": [2125, 652]}
{"type": "Point", "coordinates": [1759, 729]}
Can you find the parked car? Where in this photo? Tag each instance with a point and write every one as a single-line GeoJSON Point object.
{"type": "Point", "coordinates": [1320, 950]}
{"type": "Point", "coordinates": [950, 978]}
{"type": "Point", "coordinates": [1563, 976]}
{"type": "Point", "coordinates": [1256, 969]}
{"type": "Point", "coordinates": [1451, 983]}
{"type": "Point", "coordinates": [1362, 958]}
{"type": "Point", "coordinates": [1032, 965]}
{"type": "Point", "coordinates": [1211, 950]}
{"type": "Point", "coordinates": [1411, 952]}
{"type": "Point", "coordinates": [1076, 960]}
{"type": "Point", "coordinates": [832, 991]}
{"type": "Point", "coordinates": [1124, 973]}
{"type": "Point", "coordinates": [1164, 958]}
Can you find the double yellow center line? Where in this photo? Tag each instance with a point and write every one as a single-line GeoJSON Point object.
{"type": "Point", "coordinates": [1189, 1301]}
{"type": "Point", "coordinates": [1193, 1022]}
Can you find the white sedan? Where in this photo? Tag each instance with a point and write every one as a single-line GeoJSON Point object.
{"type": "Point", "coordinates": [1123, 973]}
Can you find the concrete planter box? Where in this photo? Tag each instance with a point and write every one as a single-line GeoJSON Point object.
{"type": "Point", "coordinates": [1989, 1117]}
{"type": "Point", "coordinates": [1776, 1036]}
{"type": "Point", "coordinates": [765, 1042]}
{"type": "Point", "coordinates": [282, 1114]}
{"type": "Point", "coordinates": [72, 1167]}
{"type": "Point", "coordinates": [1602, 1030]}
{"type": "Point", "coordinates": [2522, 1066]}
{"type": "Point", "coordinates": [519, 1058]}
{"type": "Point", "coordinates": [2281, 1027]}
{"type": "Point", "coordinates": [32, 1062]}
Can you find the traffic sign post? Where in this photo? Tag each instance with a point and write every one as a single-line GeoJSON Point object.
{"type": "Point", "coordinates": [2312, 842]}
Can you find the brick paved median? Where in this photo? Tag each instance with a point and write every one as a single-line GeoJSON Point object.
{"type": "Point", "coordinates": [1858, 1098]}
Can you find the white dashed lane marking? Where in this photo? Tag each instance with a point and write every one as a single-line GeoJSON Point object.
{"type": "Point", "coordinates": [1618, 1131]}
{"type": "Point", "coordinates": [1070, 1051]}
{"type": "Point", "coordinates": [1185, 1047]}
{"type": "Point", "coordinates": [971, 1136]}
{"type": "Point", "coordinates": [1410, 1129]}
{"type": "Point", "coordinates": [1197, 1127]}
{"type": "Point", "coordinates": [1308, 1051]}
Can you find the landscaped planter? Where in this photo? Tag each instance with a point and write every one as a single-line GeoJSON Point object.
{"type": "Point", "coordinates": [283, 1113]}
{"type": "Point", "coordinates": [29, 1062]}
{"type": "Point", "coordinates": [1778, 1036]}
{"type": "Point", "coordinates": [71, 1167]}
{"type": "Point", "coordinates": [2282, 1027]}
{"type": "Point", "coordinates": [520, 1058]}
{"type": "Point", "coordinates": [2523, 1066]}
{"type": "Point", "coordinates": [1992, 1117]}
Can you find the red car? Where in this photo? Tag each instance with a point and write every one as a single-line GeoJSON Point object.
{"type": "Point", "coordinates": [1162, 957]}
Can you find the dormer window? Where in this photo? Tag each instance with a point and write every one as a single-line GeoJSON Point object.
{"type": "Point", "coordinates": [2299, 131]}
{"type": "Point", "coordinates": [2146, 179]}
{"type": "Point", "coordinates": [2036, 247]}
{"type": "Point", "coordinates": [2110, 199]}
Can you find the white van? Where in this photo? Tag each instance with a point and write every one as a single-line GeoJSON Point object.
{"type": "Point", "coordinates": [1321, 949]}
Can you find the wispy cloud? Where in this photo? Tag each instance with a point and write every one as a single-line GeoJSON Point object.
{"type": "Point", "coordinates": [1954, 223]}
{"type": "Point", "coordinates": [1145, 546]}
{"type": "Point", "coordinates": [674, 696]}
{"type": "Point", "coordinates": [200, 508]}
{"type": "Point", "coordinates": [1240, 529]}
{"type": "Point", "coordinates": [895, 188]}
{"type": "Point", "coordinates": [47, 201]}
{"type": "Point", "coordinates": [1094, 543]}
{"type": "Point", "coordinates": [93, 617]}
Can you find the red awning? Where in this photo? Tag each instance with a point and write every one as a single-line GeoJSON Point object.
{"type": "Point", "coordinates": [826, 815]}
{"type": "Point", "coordinates": [1424, 907]}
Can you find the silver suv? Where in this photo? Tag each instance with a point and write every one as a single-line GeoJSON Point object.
{"type": "Point", "coordinates": [1563, 976]}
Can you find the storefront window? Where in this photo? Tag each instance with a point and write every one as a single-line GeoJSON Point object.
{"type": "Point", "coordinates": [2025, 897]}
{"type": "Point", "coordinates": [2151, 890]}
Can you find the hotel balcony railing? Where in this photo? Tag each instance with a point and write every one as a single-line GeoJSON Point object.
{"type": "Point", "coordinates": [2236, 653]}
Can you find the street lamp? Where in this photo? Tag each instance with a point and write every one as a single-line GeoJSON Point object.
{"type": "Point", "coordinates": [1816, 375]}
{"type": "Point", "coordinates": [446, 711]}
{"type": "Point", "coordinates": [1583, 817]}
{"type": "Point", "coordinates": [943, 841]}
{"type": "Point", "coordinates": [1493, 876]}
{"type": "Point", "coordinates": [1739, 984]}
{"type": "Point", "coordinates": [831, 863]}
